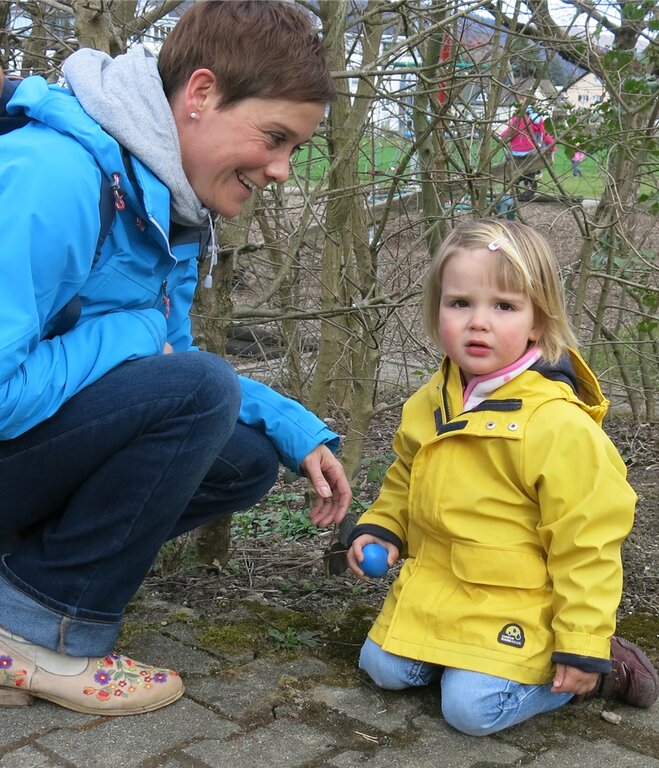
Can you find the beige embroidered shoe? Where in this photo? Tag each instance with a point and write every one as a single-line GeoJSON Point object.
{"type": "Point", "coordinates": [107, 685]}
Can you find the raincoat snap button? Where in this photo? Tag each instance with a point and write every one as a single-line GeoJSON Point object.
{"type": "Point", "coordinates": [490, 425]}
{"type": "Point", "coordinates": [513, 426]}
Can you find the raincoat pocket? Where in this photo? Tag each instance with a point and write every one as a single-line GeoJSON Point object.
{"type": "Point", "coordinates": [501, 603]}
{"type": "Point", "coordinates": [498, 566]}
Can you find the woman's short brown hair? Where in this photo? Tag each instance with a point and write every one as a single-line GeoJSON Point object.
{"type": "Point", "coordinates": [267, 50]}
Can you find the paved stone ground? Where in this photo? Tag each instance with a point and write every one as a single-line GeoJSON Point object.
{"type": "Point", "coordinates": [300, 709]}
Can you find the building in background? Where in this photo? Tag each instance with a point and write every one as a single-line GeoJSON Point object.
{"type": "Point", "coordinates": [585, 92]}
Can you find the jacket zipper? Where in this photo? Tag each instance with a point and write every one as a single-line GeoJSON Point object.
{"type": "Point", "coordinates": [447, 411]}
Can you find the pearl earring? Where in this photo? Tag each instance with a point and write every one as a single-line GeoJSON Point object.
{"type": "Point", "coordinates": [194, 115]}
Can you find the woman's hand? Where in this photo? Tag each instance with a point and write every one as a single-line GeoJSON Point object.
{"type": "Point", "coordinates": [573, 680]}
{"type": "Point", "coordinates": [333, 492]}
{"type": "Point", "coordinates": [355, 556]}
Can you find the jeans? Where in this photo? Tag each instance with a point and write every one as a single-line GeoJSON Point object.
{"type": "Point", "coordinates": [472, 702]}
{"type": "Point", "coordinates": [148, 452]}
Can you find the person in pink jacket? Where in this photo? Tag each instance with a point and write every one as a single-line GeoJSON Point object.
{"type": "Point", "coordinates": [577, 158]}
{"type": "Point", "coordinates": [525, 135]}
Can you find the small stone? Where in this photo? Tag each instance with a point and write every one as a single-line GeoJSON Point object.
{"type": "Point", "coordinates": [611, 717]}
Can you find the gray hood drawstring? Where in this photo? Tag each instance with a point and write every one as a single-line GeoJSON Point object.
{"type": "Point", "coordinates": [208, 280]}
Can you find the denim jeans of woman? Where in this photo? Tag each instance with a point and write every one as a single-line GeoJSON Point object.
{"type": "Point", "coordinates": [148, 452]}
{"type": "Point", "coordinates": [472, 702]}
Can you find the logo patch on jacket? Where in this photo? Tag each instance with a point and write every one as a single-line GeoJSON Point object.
{"type": "Point", "coordinates": [512, 634]}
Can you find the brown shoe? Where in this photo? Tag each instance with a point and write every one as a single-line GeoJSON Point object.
{"type": "Point", "coordinates": [633, 678]}
{"type": "Point", "coordinates": [107, 685]}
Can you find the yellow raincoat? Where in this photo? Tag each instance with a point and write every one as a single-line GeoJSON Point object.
{"type": "Point", "coordinates": [512, 516]}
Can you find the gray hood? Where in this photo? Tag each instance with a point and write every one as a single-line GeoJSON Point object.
{"type": "Point", "coordinates": [125, 97]}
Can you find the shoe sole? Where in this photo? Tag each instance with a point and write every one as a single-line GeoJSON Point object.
{"type": "Point", "coordinates": [26, 701]}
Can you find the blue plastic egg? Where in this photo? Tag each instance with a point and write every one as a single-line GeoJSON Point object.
{"type": "Point", "coordinates": [374, 563]}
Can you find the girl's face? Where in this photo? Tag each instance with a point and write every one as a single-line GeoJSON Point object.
{"type": "Point", "coordinates": [227, 154]}
{"type": "Point", "coordinates": [482, 327]}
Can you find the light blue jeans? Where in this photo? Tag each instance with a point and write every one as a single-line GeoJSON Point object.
{"type": "Point", "coordinates": [472, 702]}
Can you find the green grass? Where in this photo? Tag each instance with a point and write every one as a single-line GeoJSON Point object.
{"type": "Point", "coordinates": [589, 185]}
{"type": "Point", "coordinates": [385, 155]}
{"type": "Point", "coordinates": [377, 160]}
{"type": "Point", "coordinates": [312, 160]}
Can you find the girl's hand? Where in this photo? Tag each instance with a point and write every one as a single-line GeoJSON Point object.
{"type": "Point", "coordinates": [573, 680]}
{"type": "Point", "coordinates": [355, 555]}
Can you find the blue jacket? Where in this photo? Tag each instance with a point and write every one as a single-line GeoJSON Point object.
{"type": "Point", "coordinates": [133, 300]}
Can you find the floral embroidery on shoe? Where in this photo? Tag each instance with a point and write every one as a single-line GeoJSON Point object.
{"type": "Point", "coordinates": [120, 676]}
{"type": "Point", "coordinates": [15, 678]}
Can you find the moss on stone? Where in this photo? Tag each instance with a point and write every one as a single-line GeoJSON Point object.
{"type": "Point", "coordinates": [232, 638]}
{"type": "Point", "coordinates": [251, 631]}
{"type": "Point", "coordinates": [345, 636]}
{"type": "Point", "coordinates": [642, 629]}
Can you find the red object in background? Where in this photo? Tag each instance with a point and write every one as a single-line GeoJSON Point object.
{"type": "Point", "coordinates": [444, 55]}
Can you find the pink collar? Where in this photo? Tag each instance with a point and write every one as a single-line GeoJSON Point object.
{"type": "Point", "coordinates": [481, 387]}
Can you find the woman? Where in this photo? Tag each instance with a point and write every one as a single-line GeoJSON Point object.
{"type": "Point", "coordinates": [116, 434]}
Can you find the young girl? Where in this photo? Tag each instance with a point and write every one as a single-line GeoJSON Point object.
{"type": "Point", "coordinates": [507, 501]}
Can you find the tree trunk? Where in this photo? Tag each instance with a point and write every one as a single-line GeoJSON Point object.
{"type": "Point", "coordinates": [212, 310]}
{"type": "Point", "coordinates": [334, 375]}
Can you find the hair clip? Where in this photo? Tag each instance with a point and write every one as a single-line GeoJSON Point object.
{"type": "Point", "coordinates": [498, 243]}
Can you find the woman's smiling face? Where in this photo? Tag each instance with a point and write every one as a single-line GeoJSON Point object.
{"type": "Point", "coordinates": [228, 153]}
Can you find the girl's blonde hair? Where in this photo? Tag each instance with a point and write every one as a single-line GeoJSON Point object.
{"type": "Point", "coordinates": [521, 261]}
